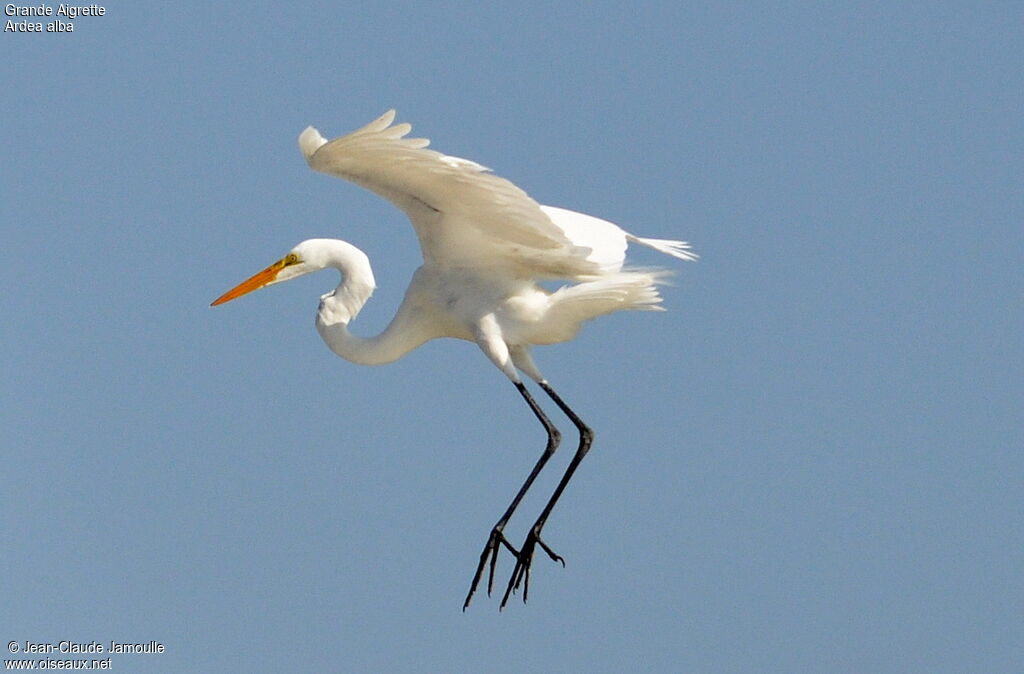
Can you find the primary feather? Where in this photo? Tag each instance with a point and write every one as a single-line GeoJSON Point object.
{"type": "Point", "coordinates": [465, 216]}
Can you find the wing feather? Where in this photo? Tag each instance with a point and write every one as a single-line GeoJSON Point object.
{"type": "Point", "coordinates": [462, 214]}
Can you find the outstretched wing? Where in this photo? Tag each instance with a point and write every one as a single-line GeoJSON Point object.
{"type": "Point", "coordinates": [464, 216]}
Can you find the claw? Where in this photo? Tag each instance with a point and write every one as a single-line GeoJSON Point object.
{"type": "Point", "coordinates": [513, 583]}
{"type": "Point", "coordinates": [489, 558]}
{"type": "Point", "coordinates": [521, 573]}
{"type": "Point", "coordinates": [555, 557]}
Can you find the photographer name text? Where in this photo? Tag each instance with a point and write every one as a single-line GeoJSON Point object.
{"type": "Point", "coordinates": [32, 647]}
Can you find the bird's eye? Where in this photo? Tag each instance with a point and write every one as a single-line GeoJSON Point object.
{"type": "Point", "coordinates": [291, 258]}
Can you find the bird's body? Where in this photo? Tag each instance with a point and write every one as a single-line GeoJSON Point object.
{"type": "Point", "coordinates": [486, 245]}
{"type": "Point", "coordinates": [464, 303]}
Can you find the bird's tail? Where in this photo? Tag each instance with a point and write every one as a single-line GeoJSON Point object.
{"type": "Point", "coordinates": [570, 306]}
{"type": "Point", "coordinates": [678, 249]}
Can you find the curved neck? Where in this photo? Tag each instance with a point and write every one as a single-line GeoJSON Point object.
{"type": "Point", "coordinates": [339, 307]}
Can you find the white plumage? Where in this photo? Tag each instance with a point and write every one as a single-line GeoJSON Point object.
{"type": "Point", "coordinates": [466, 216]}
{"type": "Point", "coordinates": [485, 244]}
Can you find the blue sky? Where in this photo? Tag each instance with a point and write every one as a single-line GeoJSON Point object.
{"type": "Point", "coordinates": [811, 462]}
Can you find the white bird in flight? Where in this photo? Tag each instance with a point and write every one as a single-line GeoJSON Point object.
{"type": "Point", "coordinates": [486, 244]}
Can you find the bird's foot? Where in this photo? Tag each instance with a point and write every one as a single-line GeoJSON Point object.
{"type": "Point", "coordinates": [521, 574]}
{"type": "Point", "coordinates": [490, 554]}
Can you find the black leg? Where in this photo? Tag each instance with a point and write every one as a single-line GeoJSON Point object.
{"type": "Point", "coordinates": [521, 574]}
{"type": "Point", "coordinates": [497, 537]}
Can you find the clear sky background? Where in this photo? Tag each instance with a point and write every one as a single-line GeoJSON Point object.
{"type": "Point", "coordinates": [811, 462]}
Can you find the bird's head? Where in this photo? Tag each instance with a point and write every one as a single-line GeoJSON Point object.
{"type": "Point", "coordinates": [307, 257]}
{"type": "Point", "coordinates": [303, 259]}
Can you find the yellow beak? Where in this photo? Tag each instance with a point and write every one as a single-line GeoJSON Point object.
{"type": "Point", "coordinates": [265, 277]}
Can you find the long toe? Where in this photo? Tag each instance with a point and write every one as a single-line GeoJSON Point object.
{"type": "Point", "coordinates": [555, 557]}
{"type": "Point", "coordinates": [489, 559]}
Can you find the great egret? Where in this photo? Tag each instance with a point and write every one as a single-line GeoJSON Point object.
{"type": "Point", "coordinates": [485, 244]}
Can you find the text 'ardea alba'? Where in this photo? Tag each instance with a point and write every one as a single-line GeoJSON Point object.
{"type": "Point", "coordinates": [485, 244]}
